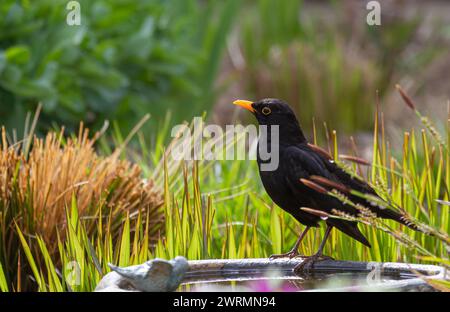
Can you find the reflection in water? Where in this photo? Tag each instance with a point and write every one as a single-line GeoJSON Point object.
{"type": "Point", "coordinates": [287, 282]}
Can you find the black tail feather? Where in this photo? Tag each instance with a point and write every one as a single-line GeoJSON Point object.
{"type": "Point", "coordinates": [393, 215]}
{"type": "Point", "coordinates": [351, 229]}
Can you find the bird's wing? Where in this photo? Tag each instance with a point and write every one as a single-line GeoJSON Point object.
{"type": "Point", "coordinates": [349, 182]}
{"type": "Point", "coordinates": [159, 267]}
{"type": "Point", "coordinates": [302, 163]}
{"type": "Point", "coordinates": [336, 174]}
{"type": "Point", "coordinates": [343, 177]}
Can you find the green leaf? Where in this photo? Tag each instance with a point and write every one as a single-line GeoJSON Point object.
{"type": "Point", "coordinates": [29, 255]}
{"type": "Point", "coordinates": [3, 281]}
{"type": "Point", "coordinates": [19, 54]}
{"type": "Point", "coordinates": [124, 257]}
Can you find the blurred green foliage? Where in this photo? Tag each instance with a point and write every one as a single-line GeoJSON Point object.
{"type": "Point", "coordinates": [127, 58]}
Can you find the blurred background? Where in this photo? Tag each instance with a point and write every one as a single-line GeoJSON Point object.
{"type": "Point", "coordinates": [176, 59]}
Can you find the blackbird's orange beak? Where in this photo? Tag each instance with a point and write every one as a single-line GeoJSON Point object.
{"type": "Point", "coordinates": [245, 104]}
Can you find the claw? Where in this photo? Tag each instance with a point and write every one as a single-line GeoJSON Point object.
{"type": "Point", "coordinates": [310, 261]}
{"type": "Point", "coordinates": [291, 254]}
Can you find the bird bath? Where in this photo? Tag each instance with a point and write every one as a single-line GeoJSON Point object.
{"type": "Point", "coordinates": [329, 275]}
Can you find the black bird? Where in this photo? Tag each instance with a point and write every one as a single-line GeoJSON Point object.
{"type": "Point", "coordinates": [305, 175]}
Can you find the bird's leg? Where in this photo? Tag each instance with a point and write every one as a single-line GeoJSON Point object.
{"type": "Point", "coordinates": [318, 256]}
{"type": "Point", "coordinates": [294, 251]}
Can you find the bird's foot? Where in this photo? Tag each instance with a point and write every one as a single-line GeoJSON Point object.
{"type": "Point", "coordinates": [309, 263]}
{"type": "Point", "coordinates": [291, 254]}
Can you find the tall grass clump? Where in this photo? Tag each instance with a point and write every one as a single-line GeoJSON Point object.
{"type": "Point", "coordinates": [38, 182]}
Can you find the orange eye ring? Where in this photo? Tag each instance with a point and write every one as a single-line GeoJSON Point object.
{"type": "Point", "coordinates": [266, 111]}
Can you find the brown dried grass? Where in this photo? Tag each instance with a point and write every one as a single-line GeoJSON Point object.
{"type": "Point", "coordinates": [36, 188]}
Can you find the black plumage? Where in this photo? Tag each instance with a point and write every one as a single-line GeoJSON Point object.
{"type": "Point", "coordinates": [303, 172]}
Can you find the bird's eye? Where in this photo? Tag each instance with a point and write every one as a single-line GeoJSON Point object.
{"type": "Point", "coordinates": [266, 111]}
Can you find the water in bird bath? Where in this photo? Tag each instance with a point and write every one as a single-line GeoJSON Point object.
{"type": "Point", "coordinates": [250, 275]}
{"type": "Point", "coordinates": [278, 281]}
